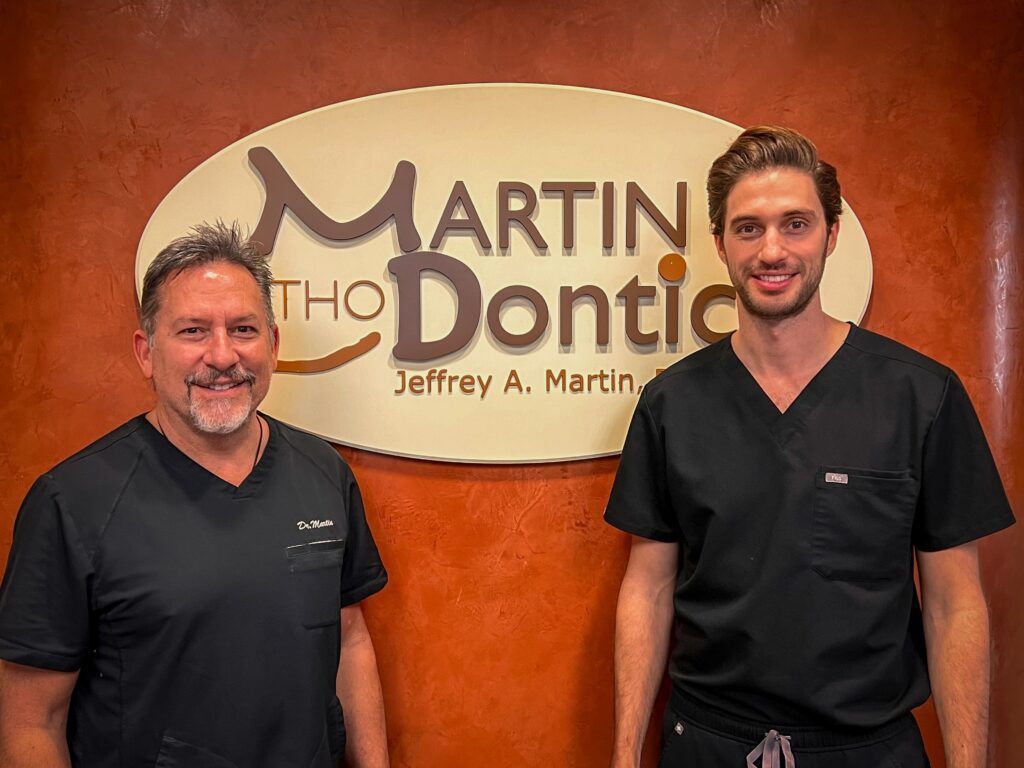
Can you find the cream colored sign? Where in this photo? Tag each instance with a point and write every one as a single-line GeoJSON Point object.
{"type": "Point", "coordinates": [483, 272]}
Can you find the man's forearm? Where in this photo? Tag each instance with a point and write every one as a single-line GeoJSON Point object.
{"type": "Point", "coordinates": [33, 748]}
{"type": "Point", "coordinates": [956, 634]}
{"type": "Point", "coordinates": [34, 716]}
{"type": "Point", "coordinates": [358, 687]}
{"type": "Point", "coordinates": [958, 664]}
{"type": "Point", "coordinates": [643, 622]}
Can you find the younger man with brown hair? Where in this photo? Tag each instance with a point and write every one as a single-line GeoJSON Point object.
{"type": "Point", "coordinates": [778, 485]}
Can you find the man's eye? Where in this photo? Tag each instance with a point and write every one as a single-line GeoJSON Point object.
{"type": "Point", "coordinates": [190, 331]}
{"type": "Point", "coordinates": [746, 229]}
{"type": "Point", "coordinates": [245, 329]}
{"type": "Point", "coordinates": [798, 224]}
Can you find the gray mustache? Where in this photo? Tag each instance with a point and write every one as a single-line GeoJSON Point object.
{"type": "Point", "coordinates": [235, 374]}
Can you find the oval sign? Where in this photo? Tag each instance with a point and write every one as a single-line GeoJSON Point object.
{"type": "Point", "coordinates": [484, 272]}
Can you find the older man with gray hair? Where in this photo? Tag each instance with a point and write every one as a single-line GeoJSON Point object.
{"type": "Point", "coordinates": [185, 591]}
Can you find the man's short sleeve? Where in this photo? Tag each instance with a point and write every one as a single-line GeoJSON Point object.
{"type": "Point", "coordinates": [44, 601]}
{"type": "Point", "coordinates": [962, 497]}
{"type": "Point", "coordinates": [362, 572]}
{"type": "Point", "coordinates": [639, 501]}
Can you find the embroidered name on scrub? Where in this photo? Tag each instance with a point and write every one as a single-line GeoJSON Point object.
{"type": "Point", "coordinates": [837, 477]}
{"type": "Point", "coordinates": [304, 525]}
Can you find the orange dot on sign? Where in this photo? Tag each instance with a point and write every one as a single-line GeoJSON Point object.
{"type": "Point", "coordinates": [672, 267]}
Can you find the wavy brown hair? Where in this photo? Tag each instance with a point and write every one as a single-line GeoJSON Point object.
{"type": "Point", "coordinates": [760, 149]}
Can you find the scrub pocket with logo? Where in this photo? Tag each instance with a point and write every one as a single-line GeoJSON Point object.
{"type": "Point", "coordinates": [315, 570]}
{"type": "Point", "coordinates": [863, 519]}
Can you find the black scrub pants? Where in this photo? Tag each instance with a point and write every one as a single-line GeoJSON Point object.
{"type": "Point", "coordinates": [694, 737]}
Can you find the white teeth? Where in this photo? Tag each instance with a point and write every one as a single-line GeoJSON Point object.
{"type": "Point", "coordinates": [220, 387]}
{"type": "Point", "coordinates": [773, 278]}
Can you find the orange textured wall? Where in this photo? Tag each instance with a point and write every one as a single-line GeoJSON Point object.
{"type": "Point", "coordinates": [495, 634]}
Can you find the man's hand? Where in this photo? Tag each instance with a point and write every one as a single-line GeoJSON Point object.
{"type": "Point", "coordinates": [956, 632]}
{"type": "Point", "coordinates": [643, 626]}
{"type": "Point", "coordinates": [358, 687]}
{"type": "Point", "coordinates": [33, 716]}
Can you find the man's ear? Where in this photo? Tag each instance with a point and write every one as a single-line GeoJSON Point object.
{"type": "Point", "coordinates": [833, 238]}
{"type": "Point", "coordinates": [143, 353]}
{"type": "Point", "coordinates": [276, 344]}
{"type": "Point", "coordinates": [720, 247]}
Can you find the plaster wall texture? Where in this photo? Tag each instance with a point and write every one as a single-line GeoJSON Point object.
{"type": "Point", "coordinates": [495, 635]}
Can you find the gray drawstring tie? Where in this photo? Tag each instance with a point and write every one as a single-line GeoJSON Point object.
{"type": "Point", "coordinates": [768, 751]}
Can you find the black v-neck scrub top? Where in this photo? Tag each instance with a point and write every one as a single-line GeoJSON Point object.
{"type": "Point", "coordinates": [203, 619]}
{"type": "Point", "coordinates": [795, 600]}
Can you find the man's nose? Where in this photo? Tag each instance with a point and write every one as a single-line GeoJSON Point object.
{"type": "Point", "coordinates": [772, 246]}
{"type": "Point", "coordinates": [220, 351]}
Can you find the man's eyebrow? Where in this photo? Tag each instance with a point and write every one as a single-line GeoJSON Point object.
{"type": "Point", "coordinates": [749, 217]}
{"type": "Point", "coordinates": [195, 320]}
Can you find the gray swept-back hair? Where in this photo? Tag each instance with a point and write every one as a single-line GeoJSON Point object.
{"type": "Point", "coordinates": [204, 244]}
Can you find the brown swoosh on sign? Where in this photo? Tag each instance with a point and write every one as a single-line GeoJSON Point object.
{"type": "Point", "coordinates": [337, 358]}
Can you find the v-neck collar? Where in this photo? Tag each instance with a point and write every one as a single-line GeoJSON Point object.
{"type": "Point", "coordinates": [783, 425]}
{"type": "Point", "coordinates": [198, 476]}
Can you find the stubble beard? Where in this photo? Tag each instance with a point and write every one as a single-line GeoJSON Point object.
{"type": "Point", "coordinates": [220, 418]}
{"type": "Point", "coordinates": [811, 280]}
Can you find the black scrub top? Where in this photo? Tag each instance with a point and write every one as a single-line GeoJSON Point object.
{"type": "Point", "coordinates": [795, 601]}
{"type": "Point", "coordinates": [203, 619]}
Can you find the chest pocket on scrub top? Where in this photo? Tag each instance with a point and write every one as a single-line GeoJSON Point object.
{"type": "Point", "coordinates": [315, 573]}
{"type": "Point", "coordinates": [862, 523]}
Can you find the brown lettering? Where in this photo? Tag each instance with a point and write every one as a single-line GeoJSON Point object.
{"type": "Point", "coordinates": [567, 298]}
{"type": "Point", "coordinates": [568, 191]}
{"type": "Point", "coordinates": [699, 310]}
{"type": "Point", "coordinates": [282, 192]}
{"type": "Point", "coordinates": [513, 382]}
{"type": "Point", "coordinates": [408, 270]}
{"type": "Point", "coordinates": [608, 215]}
{"type": "Point", "coordinates": [540, 319]}
{"type": "Point", "coordinates": [472, 222]}
{"type": "Point", "coordinates": [671, 314]}
{"type": "Point", "coordinates": [632, 293]}
{"type": "Point", "coordinates": [373, 287]}
{"type": "Point", "coordinates": [285, 285]}
{"type": "Point", "coordinates": [522, 216]}
{"type": "Point", "coordinates": [637, 198]}
{"type": "Point", "coordinates": [672, 269]}
{"type": "Point", "coordinates": [322, 299]}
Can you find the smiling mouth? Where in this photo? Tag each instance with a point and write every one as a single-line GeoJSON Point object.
{"type": "Point", "coordinates": [773, 279]}
{"type": "Point", "coordinates": [220, 387]}
{"type": "Point", "coordinates": [220, 381]}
